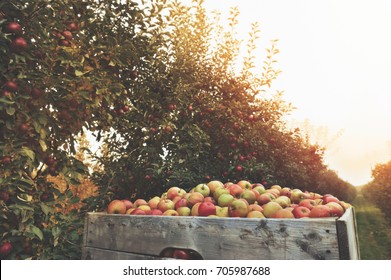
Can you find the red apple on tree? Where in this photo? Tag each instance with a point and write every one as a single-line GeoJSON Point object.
{"type": "Point", "coordinates": [14, 27]}
{"type": "Point", "coordinates": [19, 44]}
{"type": "Point", "coordinates": [5, 249]}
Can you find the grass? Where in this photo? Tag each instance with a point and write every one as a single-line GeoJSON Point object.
{"type": "Point", "coordinates": [374, 232]}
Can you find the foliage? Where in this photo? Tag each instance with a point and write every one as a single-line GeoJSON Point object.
{"type": "Point", "coordinates": [378, 190]}
{"type": "Point", "coordinates": [197, 118]}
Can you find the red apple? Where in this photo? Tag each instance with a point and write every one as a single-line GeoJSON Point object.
{"type": "Point", "coordinates": [206, 209]}
{"type": "Point", "coordinates": [182, 202]}
{"type": "Point", "coordinates": [320, 211]}
{"type": "Point", "coordinates": [139, 202]}
{"type": "Point", "coordinates": [153, 202]}
{"type": "Point", "coordinates": [116, 207]}
{"type": "Point", "coordinates": [181, 254]}
{"type": "Point", "coordinates": [210, 199]}
{"type": "Point", "coordinates": [175, 191]}
{"type": "Point", "coordinates": [128, 203]}
{"type": "Point", "coordinates": [255, 207]}
{"type": "Point", "coordinates": [329, 198]}
{"type": "Point", "coordinates": [14, 27]}
{"type": "Point", "coordinates": [156, 212]}
{"type": "Point", "coordinates": [4, 196]}
{"type": "Point", "coordinates": [19, 44]}
{"type": "Point", "coordinates": [308, 203]}
{"type": "Point", "coordinates": [6, 160]}
{"type": "Point", "coordinates": [72, 26]}
{"type": "Point", "coordinates": [36, 93]}
{"type": "Point", "coordinates": [301, 212]}
{"type": "Point", "coordinates": [137, 212]}
{"type": "Point", "coordinates": [11, 86]}
{"type": "Point", "coordinates": [235, 190]}
{"type": "Point", "coordinates": [336, 209]}
{"type": "Point", "coordinates": [5, 249]}
{"type": "Point", "coordinates": [67, 35]}
{"type": "Point", "coordinates": [264, 198]}
{"type": "Point", "coordinates": [238, 208]}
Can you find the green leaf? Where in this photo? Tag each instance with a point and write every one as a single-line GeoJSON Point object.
{"type": "Point", "coordinates": [6, 101]}
{"type": "Point", "coordinates": [27, 152]}
{"type": "Point", "coordinates": [56, 231]}
{"type": "Point", "coordinates": [36, 231]}
{"type": "Point", "coordinates": [46, 209]}
{"type": "Point", "coordinates": [43, 145]}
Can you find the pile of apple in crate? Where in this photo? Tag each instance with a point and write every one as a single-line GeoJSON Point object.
{"type": "Point", "coordinates": [242, 199]}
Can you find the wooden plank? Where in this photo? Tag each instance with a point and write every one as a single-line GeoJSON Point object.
{"type": "Point", "coordinates": [347, 236]}
{"type": "Point", "coordinates": [216, 238]}
{"type": "Point", "coordinates": [104, 254]}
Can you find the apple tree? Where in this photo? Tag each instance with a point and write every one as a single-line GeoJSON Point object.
{"type": "Point", "coordinates": [65, 66]}
{"type": "Point", "coordinates": [194, 117]}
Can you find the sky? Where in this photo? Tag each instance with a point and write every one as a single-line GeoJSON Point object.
{"type": "Point", "coordinates": [335, 58]}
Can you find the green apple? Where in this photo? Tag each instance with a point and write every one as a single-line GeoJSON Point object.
{"type": "Point", "coordinates": [270, 208]}
{"type": "Point", "coordinates": [225, 199]}
{"type": "Point", "coordinates": [202, 189]}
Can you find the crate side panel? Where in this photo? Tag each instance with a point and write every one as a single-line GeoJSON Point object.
{"type": "Point", "coordinates": [347, 236]}
{"type": "Point", "coordinates": [216, 238]}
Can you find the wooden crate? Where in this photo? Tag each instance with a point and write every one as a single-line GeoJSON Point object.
{"type": "Point", "coordinates": [126, 237]}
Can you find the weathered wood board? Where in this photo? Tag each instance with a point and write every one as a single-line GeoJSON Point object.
{"type": "Point", "coordinates": [145, 237]}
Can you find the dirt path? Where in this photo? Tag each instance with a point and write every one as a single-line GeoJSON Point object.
{"type": "Point", "coordinates": [374, 232]}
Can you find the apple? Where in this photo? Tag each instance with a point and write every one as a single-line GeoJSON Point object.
{"type": "Point", "coordinates": [202, 189]}
{"type": "Point", "coordinates": [194, 198]}
{"type": "Point", "coordinates": [238, 208]}
{"type": "Point", "coordinates": [285, 191]}
{"type": "Point", "coordinates": [139, 202]}
{"type": "Point", "coordinates": [11, 86]}
{"type": "Point", "coordinates": [222, 211]}
{"type": "Point", "coordinates": [6, 160]}
{"type": "Point", "coordinates": [138, 211]}
{"type": "Point", "coordinates": [14, 27]}
{"type": "Point", "coordinates": [128, 203]}
{"type": "Point", "coordinates": [5, 249]}
{"type": "Point", "coordinates": [218, 192]}
{"type": "Point", "coordinates": [19, 44]}
{"type": "Point", "coordinates": [153, 202]}
{"type": "Point", "coordinates": [264, 198]}
{"type": "Point", "coordinates": [116, 207]}
{"type": "Point", "coordinates": [175, 191]}
{"type": "Point", "coordinates": [213, 185]}
{"type": "Point", "coordinates": [284, 201]}
{"type": "Point", "coordinates": [145, 208]}
{"type": "Point", "coordinates": [297, 196]}
{"type": "Point", "coordinates": [255, 214]}
{"type": "Point", "coordinates": [274, 192]}
{"type": "Point", "coordinates": [255, 207]}
{"type": "Point", "coordinates": [301, 212]}
{"type": "Point", "coordinates": [72, 26]}
{"type": "Point", "coordinates": [277, 187]}
{"type": "Point", "coordinates": [182, 202]}
{"type": "Point", "coordinates": [36, 93]}
{"type": "Point", "coordinates": [235, 190]}
{"type": "Point", "coordinates": [156, 212]}
{"type": "Point", "coordinates": [176, 199]}
{"type": "Point", "coordinates": [320, 211]}
{"type": "Point", "coordinates": [4, 196]}
{"type": "Point", "coordinates": [67, 35]}
{"type": "Point", "coordinates": [181, 254]}
{"type": "Point", "coordinates": [206, 209]}
{"type": "Point", "coordinates": [248, 195]}
{"type": "Point", "coordinates": [308, 203]}
{"type": "Point", "coordinates": [194, 209]}
{"type": "Point", "coordinates": [270, 208]}
{"type": "Point", "coordinates": [245, 184]}
{"type": "Point", "coordinates": [239, 168]}
{"type": "Point", "coordinates": [165, 204]}
{"type": "Point", "coordinates": [329, 198]}
{"type": "Point", "coordinates": [336, 209]}
{"type": "Point", "coordinates": [170, 212]}
{"type": "Point", "coordinates": [184, 211]}
{"type": "Point", "coordinates": [210, 199]}
{"type": "Point", "coordinates": [259, 188]}
{"type": "Point", "coordinates": [225, 199]}
{"type": "Point", "coordinates": [283, 214]}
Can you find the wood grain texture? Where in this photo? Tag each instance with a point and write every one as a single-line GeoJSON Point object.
{"type": "Point", "coordinates": [347, 236]}
{"type": "Point", "coordinates": [216, 238]}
